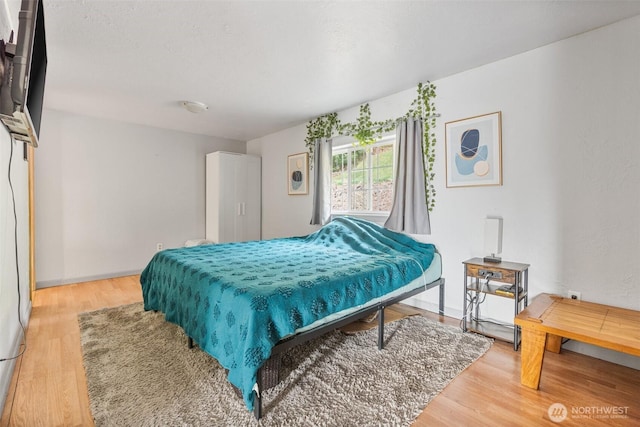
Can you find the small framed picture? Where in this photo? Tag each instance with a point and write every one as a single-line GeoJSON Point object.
{"type": "Point", "coordinates": [298, 174]}
{"type": "Point", "coordinates": [474, 151]}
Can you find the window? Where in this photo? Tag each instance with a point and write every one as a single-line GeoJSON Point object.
{"type": "Point", "coordinates": [362, 177]}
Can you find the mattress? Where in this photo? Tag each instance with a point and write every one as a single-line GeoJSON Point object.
{"type": "Point", "coordinates": [431, 274]}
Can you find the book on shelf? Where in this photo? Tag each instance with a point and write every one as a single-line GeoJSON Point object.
{"type": "Point", "coordinates": [508, 290]}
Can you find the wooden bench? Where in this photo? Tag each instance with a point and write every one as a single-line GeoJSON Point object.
{"type": "Point", "coordinates": [549, 318]}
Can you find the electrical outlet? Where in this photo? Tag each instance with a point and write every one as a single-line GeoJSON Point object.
{"type": "Point", "coordinates": [490, 274]}
{"type": "Point", "coordinates": [574, 295]}
{"type": "Point", "coordinates": [159, 247]}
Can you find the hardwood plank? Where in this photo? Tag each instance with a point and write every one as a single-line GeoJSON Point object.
{"type": "Point", "coordinates": [51, 384]}
{"type": "Point", "coordinates": [51, 387]}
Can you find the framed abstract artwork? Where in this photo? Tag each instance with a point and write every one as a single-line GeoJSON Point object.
{"type": "Point", "coordinates": [298, 174]}
{"type": "Point", "coordinates": [473, 149]}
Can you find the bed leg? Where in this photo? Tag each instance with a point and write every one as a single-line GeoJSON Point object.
{"type": "Point", "coordinates": [190, 342]}
{"type": "Point", "coordinates": [380, 328]}
{"type": "Point", "coordinates": [441, 302]}
{"type": "Point", "coordinates": [257, 399]}
{"type": "Point", "coordinates": [257, 406]}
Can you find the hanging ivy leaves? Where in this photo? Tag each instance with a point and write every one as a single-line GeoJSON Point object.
{"type": "Point", "coordinates": [323, 127]}
{"type": "Point", "coordinates": [424, 106]}
{"type": "Point", "coordinates": [366, 131]}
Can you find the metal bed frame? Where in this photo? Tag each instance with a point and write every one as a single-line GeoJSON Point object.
{"type": "Point", "coordinates": [303, 337]}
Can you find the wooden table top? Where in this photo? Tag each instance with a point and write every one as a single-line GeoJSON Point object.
{"type": "Point", "coordinates": [605, 326]}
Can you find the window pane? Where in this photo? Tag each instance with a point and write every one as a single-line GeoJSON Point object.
{"type": "Point", "coordinates": [339, 182]}
{"type": "Point", "coordinates": [362, 178]}
{"type": "Point", "coordinates": [358, 159]}
{"type": "Point", "coordinates": [382, 182]}
{"type": "Point", "coordinates": [359, 180]}
{"type": "Point", "coordinates": [360, 190]}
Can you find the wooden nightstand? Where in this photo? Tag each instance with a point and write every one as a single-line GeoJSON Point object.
{"type": "Point", "coordinates": [512, 275]}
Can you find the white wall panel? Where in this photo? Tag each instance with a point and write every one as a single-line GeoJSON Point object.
{"type": "Point", "coordinates": [10, 278]}
{"type": "Point", "coordinates": [571, 166]}
{"type": "Point", "coordinates": [107, 192]}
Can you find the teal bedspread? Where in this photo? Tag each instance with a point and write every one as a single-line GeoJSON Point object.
{"type": "Point", "coordinates": [237, 300]}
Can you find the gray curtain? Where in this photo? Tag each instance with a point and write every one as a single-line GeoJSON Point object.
{"type": "Point", "coordinates": [322, 182]}
{"type": "Point", "coordinates": [409, 212]}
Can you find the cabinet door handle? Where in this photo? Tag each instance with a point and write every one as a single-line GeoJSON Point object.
{"type": "Point", "coordinates": [239, 209]}
{"type": "Point", "coordinates": [243, 208]}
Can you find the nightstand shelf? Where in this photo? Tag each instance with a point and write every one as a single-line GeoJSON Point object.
{"type": "Point", "coordinates": [491, 290]}
{"type": "Point", "coordinates": [500, 275]}
{"type": "Point", "coordinates": [488, 329]}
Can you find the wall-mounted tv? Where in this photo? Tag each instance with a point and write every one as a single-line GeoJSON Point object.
{"type": "Point", "coordinates": [25, 66]}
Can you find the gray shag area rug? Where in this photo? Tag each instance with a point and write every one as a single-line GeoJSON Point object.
{"type": "Point", "coordinates": [141, 373]}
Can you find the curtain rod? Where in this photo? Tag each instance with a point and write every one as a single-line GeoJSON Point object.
{"type": "Point", "coordinates": [388, 122]}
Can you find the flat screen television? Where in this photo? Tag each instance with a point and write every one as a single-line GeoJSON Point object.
{"type": "Point", "coordinates": [25, 67]}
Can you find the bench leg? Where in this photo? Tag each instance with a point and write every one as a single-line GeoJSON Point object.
{"type": "Point", "coordinates": [533, 343]}
{"type": "Point", "coordinates": [554, 342]}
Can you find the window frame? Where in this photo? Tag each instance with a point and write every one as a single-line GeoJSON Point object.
{"type": "Point", "coordinates": [350, 145]}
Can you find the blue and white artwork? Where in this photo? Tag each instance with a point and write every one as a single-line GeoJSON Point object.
{"type": "Point", "coordinates": [298, 173]}
{"type": "Point", "coordinates": [473, 149]}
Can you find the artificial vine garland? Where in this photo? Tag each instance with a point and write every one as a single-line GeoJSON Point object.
{"type": "Point", "coordinates": [367, 132]}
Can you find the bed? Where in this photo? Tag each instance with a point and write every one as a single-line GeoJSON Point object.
{"type": "Point", "coordinates": [245, 302]}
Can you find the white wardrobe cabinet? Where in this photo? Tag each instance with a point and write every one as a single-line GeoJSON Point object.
{"type": "Point", "coordinates": [232, 197]}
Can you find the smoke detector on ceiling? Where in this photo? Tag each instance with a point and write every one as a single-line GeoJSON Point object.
{"type": "Point", "coordinates": [195, 106]}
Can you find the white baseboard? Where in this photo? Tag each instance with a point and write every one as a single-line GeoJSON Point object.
{"type": "Point", "coordinates": [60, 282]}
{"type": "Point", "coordinates": [612, 356]}
{"type": "Point", "coordinates": [6, 373]}
{"type": "Point", "coordinates": [7, 367]}
{"type": "Point", "coordinates": [432, 307]}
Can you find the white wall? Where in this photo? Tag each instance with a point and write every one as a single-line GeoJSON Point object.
{"type": "Point", "coordinates": [282, 215]}
{"type": "Point", "coordinates": [571, 165]}
{"type": "Point", "coordinates": [10, 330]}
{"type": "Point", "coordinates": [10, 293]}
{"type": "Point", "coordinates": [106, 192]}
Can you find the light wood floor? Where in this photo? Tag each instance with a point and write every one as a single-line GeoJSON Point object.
{"type": "Point", "coordinates": [49, 386]}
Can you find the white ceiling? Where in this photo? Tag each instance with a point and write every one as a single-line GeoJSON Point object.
{"type": "Point", "coordinates": [263, 66]}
